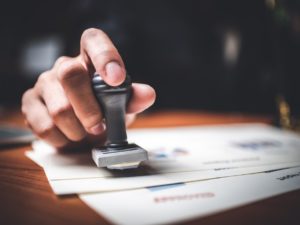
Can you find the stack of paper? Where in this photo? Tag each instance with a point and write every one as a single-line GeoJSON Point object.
{"type": "Point", "coordinates": [238, 155]}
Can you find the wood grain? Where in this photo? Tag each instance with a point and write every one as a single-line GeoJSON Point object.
{"type": "Point", "coordinates": [26, 197]}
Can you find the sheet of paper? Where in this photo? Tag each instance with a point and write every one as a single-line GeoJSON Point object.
{"type": "Point", "coordinates": [176, 155]}
{"type": "Point", "coordinates": [179, 202]}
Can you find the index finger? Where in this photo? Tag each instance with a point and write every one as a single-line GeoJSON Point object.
{"type": "Point", "coordinates": [99, 54]}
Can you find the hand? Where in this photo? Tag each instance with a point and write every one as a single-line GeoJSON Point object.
{"type": "Point", "coordinates": [62, 109]}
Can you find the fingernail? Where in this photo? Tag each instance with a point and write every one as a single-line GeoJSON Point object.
{"type": "Point", "coordinates": [114, 73]}
{"type": "Point", "coordinates": [97, 129]}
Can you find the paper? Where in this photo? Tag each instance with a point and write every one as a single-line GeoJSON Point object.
{"type": "Point", "coordinates": [176, 155]}
{"type": "Point", "coordinates": [179, 202]}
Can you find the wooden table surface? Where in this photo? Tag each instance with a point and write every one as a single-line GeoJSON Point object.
{"type": "Point", "coordinates": [26, 197]}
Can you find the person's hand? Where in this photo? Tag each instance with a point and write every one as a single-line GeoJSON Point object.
{"type": "Point", "coordinates": [62, 109]}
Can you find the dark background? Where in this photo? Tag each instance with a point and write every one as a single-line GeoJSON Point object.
{"type": "Point", "coordinates": [215, 55]}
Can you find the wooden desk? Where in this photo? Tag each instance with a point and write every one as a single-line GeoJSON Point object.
{"type": "Point", "coordinates": [26, 197]}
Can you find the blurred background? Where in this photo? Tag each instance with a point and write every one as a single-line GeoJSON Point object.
{"type": "Point", "coordinates": [232, 55]}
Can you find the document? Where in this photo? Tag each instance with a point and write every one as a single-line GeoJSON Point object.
{"type": "Point", "coordinates": [180, 154]}
{"type": "Point", "coordinates": [186, 201]}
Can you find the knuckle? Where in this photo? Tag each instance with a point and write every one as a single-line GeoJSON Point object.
{"type": "Point", "coordinates": [45, 130]}
{"type": "Point", "coordinates": [61, 111]}
{"type": "Point", "coordinates": [60, 60]}
{"type": "Point", "coordinates": [43, 78]}
{"type": "Point", "coordinates": [65, 71]}
{"type": "Point", "coordinates": [27, 95]}
{"type": "Point", "coordinates": [24, 109]}
{"type": "Point", "coordinates": [69, 69]}
{"type": "Point", "coordinates": [42, 82]}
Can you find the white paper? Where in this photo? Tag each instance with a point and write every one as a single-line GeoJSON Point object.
{"type": "Point", "coordinates": [180, 202]}
{"type": "Point", "coordinates": [176, 155]}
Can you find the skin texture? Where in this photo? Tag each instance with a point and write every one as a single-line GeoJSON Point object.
{"type": "Point", "coordinates": [61, 107]}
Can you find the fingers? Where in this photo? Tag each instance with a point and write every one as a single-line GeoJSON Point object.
{"type": "Point", "coordinates": [39, 120]}
{"type": "Point", "coordinates": [62, 107]}
{"type": "Point", "coordinates": [143, 96]}
{"type": "Point", "coordinates": [76, 84]}
{"type": "Point", "coordinates": [56, 123]}
{"type": "Point", "coordinates": [59, 107]}
{"type": "Point", "coordinates": [98, 51]}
